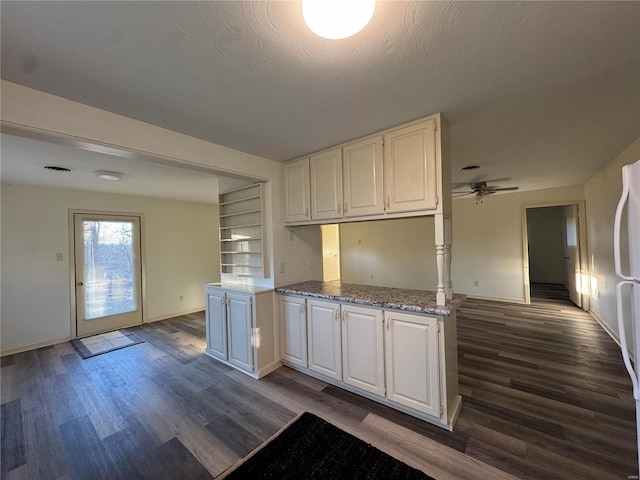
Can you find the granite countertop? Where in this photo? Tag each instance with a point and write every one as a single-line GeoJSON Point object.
{"type": "Point", "coordinates": [238, 287]}
{"type": "Point", "coordinates": [418, 301]}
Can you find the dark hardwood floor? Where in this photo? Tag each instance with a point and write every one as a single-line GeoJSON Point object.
{"type": "Point", "coordinates": [545, 393]}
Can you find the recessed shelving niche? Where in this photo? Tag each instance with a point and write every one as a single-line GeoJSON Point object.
{"type": "Point", "coordinates": [242, 239]}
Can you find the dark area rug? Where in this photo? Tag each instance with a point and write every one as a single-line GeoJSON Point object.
{"type": "Point", "coordinates": [104, 343]}
{"type": "Point", "coordinates": [311, 448]}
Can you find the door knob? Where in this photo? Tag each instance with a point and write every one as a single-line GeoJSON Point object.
{"type": "Point", "coordinates": [79, 284]}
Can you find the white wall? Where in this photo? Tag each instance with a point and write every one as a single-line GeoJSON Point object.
{"type": "Point", "coordinates": [392, 253]}
{"type": "Point", "coordinates": [52, 117]}
{"type": "Point", "coordinates": [487, 247]}
{"type": "Point", "coordinates": [602, 193]}
{"type": "Point", "coordinates": [180, 248]}
{"type": "Point", "coordinates": [545, 229]}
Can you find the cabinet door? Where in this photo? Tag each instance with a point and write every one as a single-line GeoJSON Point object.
{"type": "Point", "coordinates": [362, 169]}
{"type": "Point", "coordinates": [323, 324]}
{"type": "Point", "coordinates": [216, 313]}
{"type": "Point", "coordinates": [410, 168]}
{"type": "Point", "coordinates": [412, 362]}
{"type": "Point", "coordinates": [240, 322]}
{"type": "Point", "coordinates": [363, 348]}
{"type": "Point", "coordinates": [296, 191]}
{"type": "Point", "coordinates": [293, 330]}
{"type": "Point", "coordinates": [326, 185]}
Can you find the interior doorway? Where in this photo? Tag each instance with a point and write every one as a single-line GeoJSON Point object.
{"type": "Point", "coordinates": [107, 283]}
{"type": "Point", "coordinates": [554, 253]}
{"type": "Point", "coordinates": [330, 252]}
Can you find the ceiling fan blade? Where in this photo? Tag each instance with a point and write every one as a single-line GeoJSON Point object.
{"type": "Point", "coordinates": [500, 189]}
{"type": "Point", "coordinates": [460, 194]}
{"type": "Point", "coordinates": [505, 179]}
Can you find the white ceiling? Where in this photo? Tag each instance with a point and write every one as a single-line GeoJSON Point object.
{"type": "Point", "coordinates": [23, 162]}
{"type": "Point", "coordinates": [542, 92]}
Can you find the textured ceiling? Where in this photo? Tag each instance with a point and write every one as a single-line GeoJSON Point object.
{"type": "Point", "coordinates": [542, 92]}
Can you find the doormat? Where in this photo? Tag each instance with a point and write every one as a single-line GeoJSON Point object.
{"type": "Point", "coordinates": [314, 449]}
{"type": "Point", "coordinates": [104, 343]}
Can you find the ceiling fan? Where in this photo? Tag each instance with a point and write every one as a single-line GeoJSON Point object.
{"type": "Point", "coordinates": [481, 189]}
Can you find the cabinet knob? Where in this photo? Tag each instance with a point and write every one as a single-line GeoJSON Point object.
{"type": "Point", "coordinates": [338, 208]}
{"type": "Point", "coordinates": [346, 207]}
{"type": "Point", "coordinates": [338, 313]}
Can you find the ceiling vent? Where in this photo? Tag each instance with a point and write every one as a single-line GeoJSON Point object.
{"type": "Point", "coordinates": [55, 168]}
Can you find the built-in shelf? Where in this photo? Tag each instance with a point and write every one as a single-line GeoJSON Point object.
{"type": "Point", "coordinates": [242, 218]}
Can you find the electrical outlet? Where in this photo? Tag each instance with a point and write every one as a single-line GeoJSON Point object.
{"type": "Point", "coordinates": [181, 298]}
{"type": "Point", "coordinates": [59, 257]}
{"type": "Point", "coordinates": [308, 263]}
{"type": "Point", "coordinates": [475, 283]}
{"type": "Point", "coordinates": [290, 235]}
{"type": "Point", "coordinates": [282, 269]}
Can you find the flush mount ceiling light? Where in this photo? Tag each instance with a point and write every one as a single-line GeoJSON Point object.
{"type": "Point", "coordinates": [336, 19]}
{"type": "Point", "coordinates": [105, 175]}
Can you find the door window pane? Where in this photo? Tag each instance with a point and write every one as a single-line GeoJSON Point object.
{"type": "Point", "coordinates": [109, 274]}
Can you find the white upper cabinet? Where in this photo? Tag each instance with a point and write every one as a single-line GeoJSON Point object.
{"type": "Point", "coordinates": [296, 191]}
{"type": "Point", "coordinates": [412, 361]}
{"type": "Point", "coordinates": [326, 185]}
{"type": "Point", "coordinates": [362, 170]}
{"type": "Point", "coordinates": [396, 173]}
{"type": "Point", "coordinates": [410, 175]}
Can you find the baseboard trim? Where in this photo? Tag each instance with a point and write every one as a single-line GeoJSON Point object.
{"type": "Point", "coordinates": [173, 315]}
{"type": "Point", "coordinates": [26, 348]}
{"type": "Point", "coordinates": [612, 333]}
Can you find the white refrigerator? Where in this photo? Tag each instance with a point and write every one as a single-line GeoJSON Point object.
{"type": "Point", "coordinates": [628, 288]}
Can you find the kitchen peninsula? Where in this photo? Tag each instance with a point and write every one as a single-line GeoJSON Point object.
{"type": "Point", "coordinates": [395, 346]}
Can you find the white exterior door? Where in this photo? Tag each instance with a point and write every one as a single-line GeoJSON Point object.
{"type": "Point", "coordinates": [326, 185]}
{"type": "Point", "coordinates": [108, 272]}
{"type": "Point", "coordinates": [296, 191]}
{"type": "Point", "coordinates": [240, 322]}
{"type": "Point", "coordinates": [362, 172]}
{"type": "Point", "coordinates": [410, 168]}
{"type": "Point", "coordinates": [216, 317]}
{"type": "Point", "coordinates": [363, 348]}
{"type": "Point", "coordinates": [325, 348]}
{"type": "Point", "coordinates": [293, 330]}
{"type": "Point", "coordinates": [412, 362]}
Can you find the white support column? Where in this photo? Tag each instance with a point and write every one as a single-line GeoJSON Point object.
{"type": "Point", "coordinates": [447, 257]}
{"type": "Point", "coordinates": [440, 257]}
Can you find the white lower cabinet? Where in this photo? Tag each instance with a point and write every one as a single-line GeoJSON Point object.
{"type": "Point", "coordinates": [241, 328]}
{"type": "Point", "coordinates": [216, 323]}
{"type": "Point", "coordinates": [412, 361]}
{"type": "Point", "coordinates": [404, 360]}
{"type": "Point", "coordinates": [239, 320]}
{"type": "Point", "coordinates": [324, 338]}
{"type": "Point", "coordinates": [363, 348]}
{"type": "Point", "coordinates": [293, 330]}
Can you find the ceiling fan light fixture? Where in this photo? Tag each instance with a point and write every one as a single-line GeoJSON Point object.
{"type": "Point", "coordinates": [337, 19]}
{"type": "Point", "coordinates": [106, 175]}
